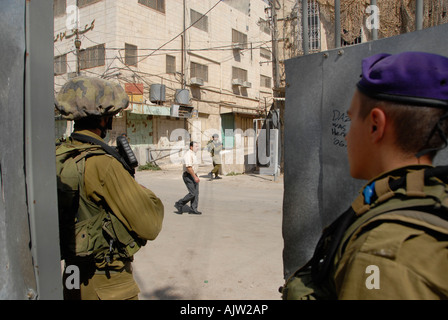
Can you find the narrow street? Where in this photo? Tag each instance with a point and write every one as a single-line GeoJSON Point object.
{"type": "Point", "coordinates": [232, 251]}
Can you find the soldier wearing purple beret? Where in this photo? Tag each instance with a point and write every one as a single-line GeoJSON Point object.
{"type": "Point", "coordinates": [392, 243]}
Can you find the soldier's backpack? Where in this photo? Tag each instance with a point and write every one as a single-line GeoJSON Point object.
{"type": "Point", "coordinates": [87, 229]}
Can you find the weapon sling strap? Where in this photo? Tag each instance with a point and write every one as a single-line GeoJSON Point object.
{"type": "Point", "coordinates": [111, 151]}
{"type": "Point", "coordinates": [325, 252]}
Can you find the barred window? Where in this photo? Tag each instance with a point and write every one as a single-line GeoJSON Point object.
{"type": "Point", "coordinates": [199, 70]}
{"type": "Point", "coordinates": [158, 5]}
{"type": "Point", "coordinates": [59, 7]}
{"type": "Point", "coordinates": [314, 32]}
{"type": "Point", "coordinates": [357, 40]}
{"type": "Point", "coordinates": [314, 25]}
{"type": "Point", "coordinates": [92, 57]}
{"type": "Point", "coordinates": [265, 81]}
{"type": "Point", "coordinates": [60, 64]}
{"type": "Point", "coordinates": [84, 3]}
{"type": "Point", "coordinates": [170, 64]}
{"type": "Point", "coordinates": [130, 55]}
{"type": "Point", "coordinates": [238, 73]}
{"type": "Point", "coordinates": [239, 37]}
{"type": "Point", "coordinates": [198, 20]}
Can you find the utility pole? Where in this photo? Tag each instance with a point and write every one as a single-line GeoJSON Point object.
{"type": "Point", "coordinates": [78, 48]}
{"type": "Point", "coordinates": [275, 63]}
{"type": "Point", "coordinates": [76, 33]}
{"type": "Point", "coordinates": [278, 105]}
{"type": "Point", "coordinates": [184, 42]}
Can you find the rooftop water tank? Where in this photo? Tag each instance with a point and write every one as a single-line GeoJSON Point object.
{"type": "Point", "coordinates": [157, 94]}
{"type": "Point", "coordinates": [182, 96]}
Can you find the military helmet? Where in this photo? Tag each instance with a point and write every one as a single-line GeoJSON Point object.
{"type": "Point", "coordinates": [83, 97]}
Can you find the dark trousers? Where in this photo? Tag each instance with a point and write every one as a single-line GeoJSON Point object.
{"type": "Point", "coordinates": [193, 192]}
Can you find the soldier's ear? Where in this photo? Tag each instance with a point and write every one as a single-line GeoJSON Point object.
{"type": "Point", "coordinates": [377, 123]}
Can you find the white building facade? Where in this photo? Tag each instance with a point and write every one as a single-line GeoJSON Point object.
{"type": "Point", "coordinates": [202, 66]}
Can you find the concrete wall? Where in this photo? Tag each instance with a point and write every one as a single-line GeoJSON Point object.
{"type": "Point", "coordinates": [318, 186]}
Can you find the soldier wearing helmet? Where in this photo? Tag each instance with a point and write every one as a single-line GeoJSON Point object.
{"type": "Point", "coordinates": [214, 146]}
{"type": "Point", "coordinates": [105, 216]}
{"type": "Point", "coordinates": [392, 243]}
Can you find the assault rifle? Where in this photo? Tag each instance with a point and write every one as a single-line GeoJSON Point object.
{"type": "Point", "coordinates": [124, 149]}
{"type": "Point", "coordinates": [122, 153]}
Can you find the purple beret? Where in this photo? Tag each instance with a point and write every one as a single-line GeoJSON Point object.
{"type": "Point", "coordinates": [416, 78]}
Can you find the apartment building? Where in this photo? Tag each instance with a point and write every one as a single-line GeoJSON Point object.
{"type": "Point", "coordinates": [191, 67]}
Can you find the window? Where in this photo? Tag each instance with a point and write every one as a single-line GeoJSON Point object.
{"type": "Point", "coordinates": [158, 5]}
{"type": "Point", "coordinates": [265, 81]}
{"type": "Point", "coordinates": [357, 40]}
{"type": "Point", "coordinates": [238, 73]}
{"type": "Point", "coordinates": [264, 26]}
{"type": "Point", "coordinates": [84, 3]}
{"type": "Point", "coordinates": [265, 53]}
{"type": "Point", "coordinates": [130, 55]}
{"type": "Point", "coordinates": [60, 64]}
{"type": "Point", "coordinates": [92, 57]}
{"type": "Point", "coordinates": [199, 71]}
{"type": "Point", "coordinates": [314, 25]}
{"type": "Point", "coordinates": [59, 7]}
{"type": "Point", "coordinates": [239, 38]}
{"type": "Point", "coordinates": [198, 20]}
{"type": "Point", "coordinates": [170, 64]}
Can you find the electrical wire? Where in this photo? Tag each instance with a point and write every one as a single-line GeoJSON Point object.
{"type": "Point", "coordinates": [191, 25]}
{"type": "Point", "coordinates": [137, 73]}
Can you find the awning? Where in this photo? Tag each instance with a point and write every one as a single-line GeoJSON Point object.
{"type": "Point", "coordinates": [148, 109]}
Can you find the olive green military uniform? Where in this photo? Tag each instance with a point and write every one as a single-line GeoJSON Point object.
{"type": "Point", "coordinates": [390, 242]}
{"type": "Point", "coordinates": [215, 148]}
{"type": "Point", "coordinates": [105, 216]}
{"type": "Point", "coordinates": [141, 212]}
{"type": "Point", "coordinates": [387, 234]}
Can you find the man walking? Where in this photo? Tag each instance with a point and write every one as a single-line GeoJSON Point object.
{"type": "Point", "coordinates": [191, 180]}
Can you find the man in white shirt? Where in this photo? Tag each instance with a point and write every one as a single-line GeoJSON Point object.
{"type": "Point", "coordinates": [191, 180]}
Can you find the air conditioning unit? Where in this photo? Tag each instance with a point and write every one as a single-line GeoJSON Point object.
{"type": "Point", "coordinates": [178, 111]}
{"type": "Point", "coordinates": [237, 82]}
{"type": "Point", "coordinates": [238, 46]}
{"type": "Point", "coordinates": [247, 84]}
{"type": "Point", "coordinates": [196, 81]}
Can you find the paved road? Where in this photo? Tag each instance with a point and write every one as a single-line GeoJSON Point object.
{"type": "Point", "coordinates": [232, 251]}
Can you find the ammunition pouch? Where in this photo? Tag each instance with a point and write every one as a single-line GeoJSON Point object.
{"type": "Point", "coordinates": [87, 229]}
{"type": "Point", "coordinates": [300, 286]}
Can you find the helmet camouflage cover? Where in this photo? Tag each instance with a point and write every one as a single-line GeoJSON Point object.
{"type": "Point", "coordinates": [88, 96]}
